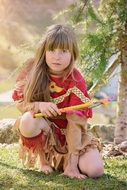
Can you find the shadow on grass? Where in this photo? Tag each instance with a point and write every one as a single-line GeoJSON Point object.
{"type": "Point", "coordinates": [24, 179]}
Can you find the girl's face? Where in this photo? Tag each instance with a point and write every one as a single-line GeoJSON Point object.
{"type": "Point", "coordinates": [58, 60]}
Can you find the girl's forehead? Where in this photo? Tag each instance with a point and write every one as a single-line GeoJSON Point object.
{"type": "Point", "coordinates": [59, 41]}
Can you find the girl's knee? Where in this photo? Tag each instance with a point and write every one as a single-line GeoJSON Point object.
{"type": "Point", "coordinates": [27, 125]}
{"type": "Point", "coordinates": [96, 171]}
{"type": "Point", "coordinates": [91, 163]}
{"type": "Point", "coordinates": [26, 118]}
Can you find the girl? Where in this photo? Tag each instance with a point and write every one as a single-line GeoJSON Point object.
{"type": "Point", "coordinates": [48, 82]}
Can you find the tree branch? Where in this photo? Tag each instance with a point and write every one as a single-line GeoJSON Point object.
{"type": "Point", "coordinates": [97, 85]}
{"type": "Point", "coordinates": [81, 10]}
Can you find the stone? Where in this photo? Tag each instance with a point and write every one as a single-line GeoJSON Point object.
{"type": "Point", "coordinates": [7, 133]}
{"type": "Point", "coordinates": [123, 146]}
{"type": "Point", "coordinates": [104, 132]}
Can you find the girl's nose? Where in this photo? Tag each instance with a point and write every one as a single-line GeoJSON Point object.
{"type": "Point", "coordinates": [57, 54]}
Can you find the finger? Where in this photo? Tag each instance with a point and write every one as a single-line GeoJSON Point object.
{"type": "Point", "coordinates": [59, 112]}
{"type": "Point", "coordinates": [47, 113]}
{"type": "Point", "coordinates": [55, 108]}
{"type": "Point", "coordinates": [53, 111]}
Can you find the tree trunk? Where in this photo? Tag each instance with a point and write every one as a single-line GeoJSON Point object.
{"type": "Point", "coordinates": [121, 124]}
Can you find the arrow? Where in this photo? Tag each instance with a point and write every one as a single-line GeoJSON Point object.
{"type": "Point", "coordinates": [89, 104]}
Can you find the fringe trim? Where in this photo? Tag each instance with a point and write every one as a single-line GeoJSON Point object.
{"type": "Point", "coordinates": [30, 148]}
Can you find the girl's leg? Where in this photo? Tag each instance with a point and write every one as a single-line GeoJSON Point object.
{"type": "Point", "coordinates": [32, 127]}
{"type": "Point", "coordinates": [91, 164]}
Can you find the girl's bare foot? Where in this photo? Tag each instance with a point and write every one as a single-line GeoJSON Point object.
{"type": "Point", "coordinates": [46, 169]}
{"type": "Point", "coordinates": [71, 169]}
{"type": "Point", "coordinates": [73, 172]}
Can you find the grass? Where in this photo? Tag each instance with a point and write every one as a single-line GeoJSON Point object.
{"type": "Point", "coordinates": [13, 176]}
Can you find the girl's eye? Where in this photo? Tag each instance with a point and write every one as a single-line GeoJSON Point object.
{"type": "Point", "coordinates": [52, 50]}
{"type": "Point", "coordinates": [65, 50]}
{"type": "Point", "coordinates": [62, 50]}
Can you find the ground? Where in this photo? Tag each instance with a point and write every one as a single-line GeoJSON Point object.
{"type": "Point", "coordinates": [13, 176]}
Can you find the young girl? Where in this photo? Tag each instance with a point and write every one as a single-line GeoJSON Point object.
{"type": "Point", "coordinates": [48, 82]}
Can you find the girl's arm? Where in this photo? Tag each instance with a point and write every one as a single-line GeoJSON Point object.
{"type": "Point", "coordinates": [17, 95]}
{"type": "Point", "coordinates": [23, 106]}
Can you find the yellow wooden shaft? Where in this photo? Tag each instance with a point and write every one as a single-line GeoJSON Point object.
{"type": "Point", "coordinates": [77, 107]}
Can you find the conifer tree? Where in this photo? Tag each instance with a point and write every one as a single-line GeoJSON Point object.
{"type": "Point", "coordinates": [102, 28]}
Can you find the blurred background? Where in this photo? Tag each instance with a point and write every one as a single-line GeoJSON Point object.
{"type": "Point", "coordinates": [22, 24]}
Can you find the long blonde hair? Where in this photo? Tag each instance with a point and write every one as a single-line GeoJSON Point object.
{"type": "Point", "coordinates": [57, 37]}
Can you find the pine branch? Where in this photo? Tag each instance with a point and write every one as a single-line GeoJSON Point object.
{"type": "Point", "coordinates": [97, 85]}
{"type": "Point", "coordinates": [81, 10]}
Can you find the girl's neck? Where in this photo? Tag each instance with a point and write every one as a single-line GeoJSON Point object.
{"type": "Point", "coordinates": [56, 74]}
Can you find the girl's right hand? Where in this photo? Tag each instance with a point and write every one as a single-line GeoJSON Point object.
{"type": "Point", "coordinates": [49, 109]}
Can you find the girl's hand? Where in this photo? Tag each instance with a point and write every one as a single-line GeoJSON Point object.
{"type": "Point", "coordinates": [49, 109]}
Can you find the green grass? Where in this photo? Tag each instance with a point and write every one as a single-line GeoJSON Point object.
{"type": "Point", "coordinates": [13, 176]}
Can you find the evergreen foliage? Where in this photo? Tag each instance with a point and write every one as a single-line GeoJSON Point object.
{"type": "Point", "coordinates": [100, 28]}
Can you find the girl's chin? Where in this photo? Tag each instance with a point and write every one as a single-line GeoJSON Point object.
{"type": "Point", "coordinates": [56, 72]}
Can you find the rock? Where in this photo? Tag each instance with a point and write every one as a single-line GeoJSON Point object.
{"type": "Point", "coordinates": [123, 146]}
{"type": "Point", "coordinates": [105, 132]}
{"type": "Point", "coordinates": [111, 150]}
{"type": "Point", "coordinates": [7, 134]}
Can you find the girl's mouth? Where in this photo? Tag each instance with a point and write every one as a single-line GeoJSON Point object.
{"type": "Point", "coordinates": [56, 64]}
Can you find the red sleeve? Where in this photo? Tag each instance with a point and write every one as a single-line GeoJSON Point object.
{"type": "Point", "coordinates": [21, 80]}
{"type": "Point", "coordinates": [16, 95]}
{"type": "Point", "coordinates": [79, 94]}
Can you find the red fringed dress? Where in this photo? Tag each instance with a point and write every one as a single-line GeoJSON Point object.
{"type": "Point", "coordinates": [64, 93]}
